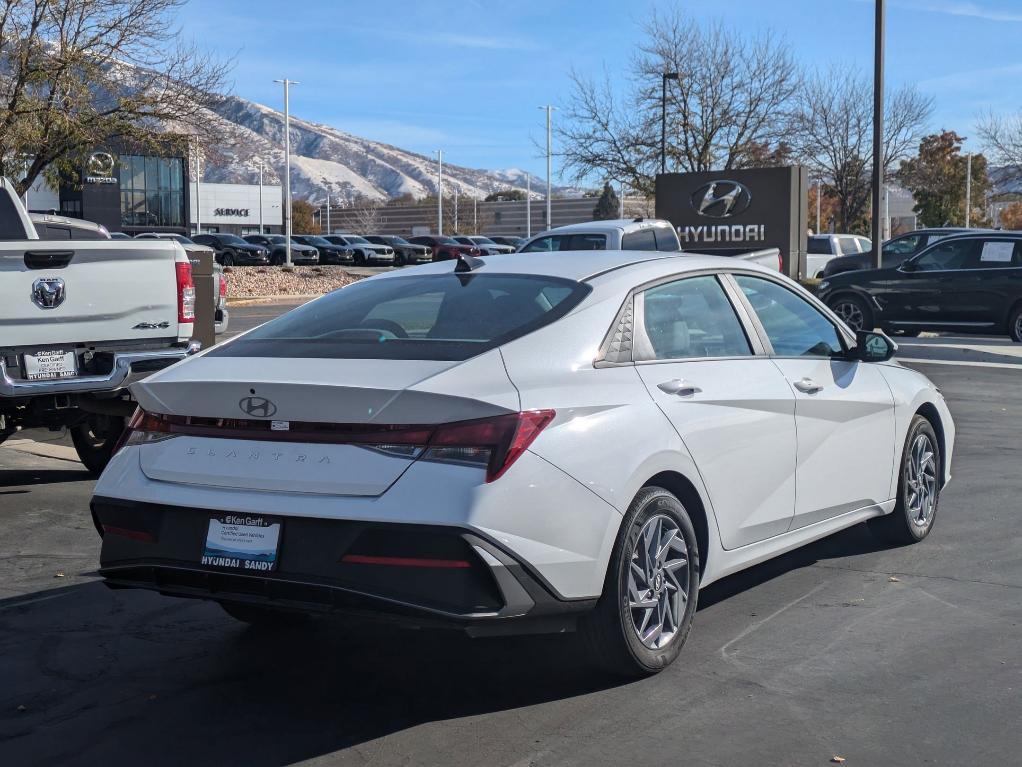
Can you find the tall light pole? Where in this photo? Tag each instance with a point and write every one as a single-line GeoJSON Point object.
{"type": "Point", "coordinates": [440, 192]}
{"type": "Point", "coordinates": [287, 164]}
{"type": "Point", "coordinates": [456, 209]}
{"type": "Point", "coordinates": [663, 118]}
{"type": "Point", "coordinates": [528, 204]}
{"type": "Point", "coordinates": [878, 131]}
{"type": "Point", "coordinates": [261, 230]}
{"type": "Point", "coordinates": [328, 212]}
{"type": "Point", "coordinates": [198, 212]}
{"type": "Point", "coordinates": [968, 190]}
{"type": "Point", "coordinates": [549, 143]}
{"type": "Point", "coordinates": [819, 204]}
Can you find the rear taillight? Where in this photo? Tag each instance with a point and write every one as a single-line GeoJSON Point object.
{"type": "Point", "coordinates": [223, 286]}
{"type": "Point", "coordinates": [185, 292]}
{"type": "Point", "coordinates": [490, 443]}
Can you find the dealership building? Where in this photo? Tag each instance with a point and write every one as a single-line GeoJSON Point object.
{"type": "Point", "coordinates": [141, 192]}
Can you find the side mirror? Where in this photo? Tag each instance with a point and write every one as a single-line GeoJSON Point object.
{"type": "Point", "coordinates": [871, 346]}
{"type": "Point", "coordinates": [908, 266]}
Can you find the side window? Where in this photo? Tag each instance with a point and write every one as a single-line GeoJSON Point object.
{"type": "Point", "coordinates": [690, 318]}
{"type": "Point", "coordinates": [542, 245]}
{"type": "Point", "coordinates": [903, 246]}
{"type": "Point", "coordinates": [644, 239]}
{"type": "Point", "coordinates": [997, 254]}
{"type": "Point", "coordinates": [865, 245]}
{"type": "Point", "coordinates": [584, 242]}
{"type": "Point", "coordinates": [847, 245]}
{"type": "Point", "coordinates": [944, 256]}
{"type": "Point", "coordinates": [666, 239]}
{"type": "Point", "coordinates": [794, 326]}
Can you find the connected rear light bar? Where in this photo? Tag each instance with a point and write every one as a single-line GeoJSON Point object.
{"type": "Point", "coordinates": [493, 443]}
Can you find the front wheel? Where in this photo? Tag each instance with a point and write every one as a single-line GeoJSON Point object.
{"type": "Point", "coordinates": [918, 488]}
{"type": "Point", "coordinates": [94, 440]}
{"type": "Point", "coordinates": [1015, 325]}
{"type": "Point", "coordinates": [649, 597]}
{"type": "Point", "coordinates": [855, 313]}
{"type": "Point", "coordinates": [227, 259]}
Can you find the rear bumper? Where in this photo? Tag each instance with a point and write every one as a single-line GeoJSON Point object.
{"type": "Point", "coordinates": [127, 367]}
{"type": "Point", "coordinates": [159, 547]}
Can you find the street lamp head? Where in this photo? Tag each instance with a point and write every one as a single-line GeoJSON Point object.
{"type": "Point", "coordinates": [670, 75]}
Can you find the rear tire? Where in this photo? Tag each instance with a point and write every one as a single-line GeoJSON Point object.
{"type": "Point", "coordinates": [263, 617]}
{"type": "Point", "coordinates": [94, 440]}
{"type": "Point", "coordinates": [641, 621]}
{"type": "Point", "coordinates": [227, 259]}
{"type": "Point", "coordinates": [918, 488]}
{"type": "Point", "coordinates": [855, 313]}
{"type": "Point", "coordinates": [1015, 325]}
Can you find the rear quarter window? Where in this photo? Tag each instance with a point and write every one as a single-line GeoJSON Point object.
{"type": "Point", "coordinates": [416, 317]}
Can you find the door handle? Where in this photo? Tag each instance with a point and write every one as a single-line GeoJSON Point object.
{"type": "Point", "coordinates": [678, 386]}
{"type": "Point", "coordinates": [808, 386]}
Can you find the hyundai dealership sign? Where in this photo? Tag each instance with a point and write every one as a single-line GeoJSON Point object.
{"type": "Point", "coordinates": [728, 212]}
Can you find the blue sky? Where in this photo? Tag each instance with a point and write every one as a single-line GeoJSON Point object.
{"type": "Point", "coordinates": [467, 75]}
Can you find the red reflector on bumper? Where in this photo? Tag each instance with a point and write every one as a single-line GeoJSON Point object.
{"type": "Point", "coordinates": [360, 559]}
{"type": "Point", "coordinates": [135, 535]}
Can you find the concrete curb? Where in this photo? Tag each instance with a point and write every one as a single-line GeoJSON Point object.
{"type": "Point", "coordinates": [60, 452]}
{"type": "Point", "coordinates": [281, 299]}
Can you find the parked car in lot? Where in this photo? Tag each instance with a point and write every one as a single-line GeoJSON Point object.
{"type": "Point", "coordinates": [231, 250]}
{"type": "Point", "coordinates": [365, 252]}
{"type": "Point", "coordinates": [119, 236]}
{"type": "Point", "coordinates": [276, 245]}
{"type": "Point", "coordinates": [822, 248]}
{"type": "Point", "coordinates": [968, 283]}
{"type": "Point", "coordinates": [513, 242]}
{"type": "Point", "coordinates": [521, 444]}
{"type": "Point", "coordinates": [404, 252]}
{"type": "Point", "coordinates": [81, 323]}
{"type": "Point", "coordinates": [329, 253]}
{"type": "Point", "coordinates": [894, 252]}
{"type": "Point", "coordinates": [487, 247]}
{"type": "Point", "coordinates": [445, 248]}
{"type": "Point", "coordinates": [221, 315]}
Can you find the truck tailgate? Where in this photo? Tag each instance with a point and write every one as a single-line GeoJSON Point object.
{"type": "Point", "coordinates": [85, 291]}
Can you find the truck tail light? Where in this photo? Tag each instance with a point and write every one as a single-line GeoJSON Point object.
{"type": "Point", "coordinates": [223, 286]}
{"type": "Point", "coordinates": [185, 292]}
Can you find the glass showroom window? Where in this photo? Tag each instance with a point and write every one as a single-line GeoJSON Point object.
{"type": "Point", "coordinates": [151, 191]}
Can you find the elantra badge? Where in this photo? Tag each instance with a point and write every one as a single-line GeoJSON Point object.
{"type": "Point", "coordinates": [48, 292]}
{"type": "Point", "coordinates": [721, 199]}
{"type": "Point", "coordinates": [257, 407]}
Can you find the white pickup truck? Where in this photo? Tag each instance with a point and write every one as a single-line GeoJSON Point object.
{"type": "Point", "coordinates": [79, 321]}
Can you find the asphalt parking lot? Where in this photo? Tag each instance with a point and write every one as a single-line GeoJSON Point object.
{"type": "Point", "coordinates": [880, 656]}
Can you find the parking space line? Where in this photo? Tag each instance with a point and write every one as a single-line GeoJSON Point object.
{"type": "Point", "coordinates": [964, 363]}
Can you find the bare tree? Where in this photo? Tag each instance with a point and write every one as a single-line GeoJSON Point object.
{"type": "Point", "coordinates": [365, 215]}
{"type": "Point", "coordinates": [729, 106]}
{"type": "Point", "coordinates": [75, 74]}
{"type": "Point", "coordinates": [834, 134]}
{"type": "Point", "coordinates": [1003, 139]}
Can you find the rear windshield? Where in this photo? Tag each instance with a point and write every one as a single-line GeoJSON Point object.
{"type": "Point", "coordinates": [417, 317]}
{"type": "Point", "coordinates": [819, 245]}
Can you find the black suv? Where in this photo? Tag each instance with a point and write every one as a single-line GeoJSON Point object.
{"type": "Point", "coordinates": [404, 252]}
{"type": "Point", "coordinates": [967, 283]}
{"type": "Point", "coordinates": [277, 245]}
{"type": "Point", "coordinates": [895, 251]}
{"type": "Point", "coordinates": [329, 252]}
{"type": "Point", "coordinates": [230, 249]}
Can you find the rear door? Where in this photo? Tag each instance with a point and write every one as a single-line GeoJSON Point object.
{"type": "Point", "coordinates": [844, 409]}
{"type": "Point", "coordinates": [733, 409]}
{"type": "Point", "coordinates": [990, 283]}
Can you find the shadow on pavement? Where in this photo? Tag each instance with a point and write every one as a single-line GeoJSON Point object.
{"type": "Point", "coordinates": [27, 477]}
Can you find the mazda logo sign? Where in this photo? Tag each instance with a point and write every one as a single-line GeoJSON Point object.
{"type": "Point", "coordinates": [721, 199]}
{"type": "Point", "coordinates": [100, 164]}
{"type": "Point", "coordinates": [48, 292]}
{"type": "Point", "coordinates": [258, 407]}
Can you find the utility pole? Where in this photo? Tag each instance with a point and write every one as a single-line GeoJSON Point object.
{"type": "Point", "coordinates": [440, 192]}
{"type": "Point", "coordinates": [328, 212]}
{"type": "Point", "coordinates": [549, 143]}
{"type": "Point", "coordinates": [198, 211]}
{"type": "Point", "coordinates": [663, 119]}
{"type": "Point", "coordinates": [528, 204]}
{"type": "Point", "coordinates": [261, 231]}
{"type": "Point", "coordinates": [819, 205]}
{"type": "Point", "coordinates": [456, 209]}
{"type": "Point", "coordinates": [287, 165]}
{"type": "Point", "coordinates": [475, 215]}
{"type": "Point", "coordinates": [968, 190]}
{"type": "Point", "coordinates": [878, 130]}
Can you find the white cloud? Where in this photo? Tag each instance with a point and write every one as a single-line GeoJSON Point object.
{"type": "Point", "coordinates": [971, 79]}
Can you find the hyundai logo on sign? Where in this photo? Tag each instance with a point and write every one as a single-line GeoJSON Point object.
{"type": "Point", "coordinates": [48, 292]}
{"type": "Point", "coordinates": [721, 199]}
{"type": "Point", "coordinates": [258, 407]}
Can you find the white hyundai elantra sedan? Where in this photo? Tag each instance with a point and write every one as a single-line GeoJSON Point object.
{"type": "Point", "coordinates": [525, 443]}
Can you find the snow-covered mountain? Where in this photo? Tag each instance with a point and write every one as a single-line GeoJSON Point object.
{"type": "Point", "coordinates": [325, 160]}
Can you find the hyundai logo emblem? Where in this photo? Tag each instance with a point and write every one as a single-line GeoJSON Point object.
{"type": "Point", "coordinates": [721, 199]}
{"type": "Point", "coordinates": [258, 407]}
{"type": "Point", "coordinates": [48, 292]}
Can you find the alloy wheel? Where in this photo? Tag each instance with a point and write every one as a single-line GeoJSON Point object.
{"type": "Point", "coordinates": [921, 481]}
{"type": "Point", "coordinates": [850, 312]}
{"type": "Point", "coordinates": [658, 582]}
{"type": "Point", "coordinates": [1018, 326]}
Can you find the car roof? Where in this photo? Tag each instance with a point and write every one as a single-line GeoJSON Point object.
{"type": "Point", "coordinates": [607, 226]}
{"type": "Point", "coordinates": [582, 265]}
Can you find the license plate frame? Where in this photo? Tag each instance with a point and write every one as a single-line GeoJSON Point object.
{"type": "Point", "coordinates": [241, 542]}
{"type": "Point", "coordinates": [50, 364]}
